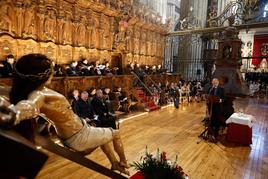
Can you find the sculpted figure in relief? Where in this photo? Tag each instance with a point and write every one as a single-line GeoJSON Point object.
{"type": "Point", "coordinates": [5, 20]}
{"type": "Point", "coordinates": [29, 23]}
{"type": "Point", "coordinates": [20, 20]}
{"type": "Point", "coordinates": [50, 26]}
{"type": "Point", "coordinates": [81, 32]}
{"type": "Point", "coordinates": [66, 28]}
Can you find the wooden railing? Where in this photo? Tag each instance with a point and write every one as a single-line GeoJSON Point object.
{"type": "Point", "coordinates": [65, 85]}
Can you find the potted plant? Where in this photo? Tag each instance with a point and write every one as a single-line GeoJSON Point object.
{"type": "Point", "coordinates": [158, 167]}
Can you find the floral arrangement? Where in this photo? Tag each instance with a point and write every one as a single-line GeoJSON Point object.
{"type": "Point", "coordinates": [158, 167]}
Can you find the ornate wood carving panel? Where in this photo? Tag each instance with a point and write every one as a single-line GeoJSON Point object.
{"type": "Point", "coordinates": [67, 30]}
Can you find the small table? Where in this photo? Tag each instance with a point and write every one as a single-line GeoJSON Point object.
{"type": "Point", "coordinates": [240, 128]}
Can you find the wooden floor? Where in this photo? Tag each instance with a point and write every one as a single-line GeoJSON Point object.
{"type": "Point", "coordinates": [175, 131]}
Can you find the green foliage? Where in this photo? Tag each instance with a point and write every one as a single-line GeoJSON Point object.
{"type": "Point", "coordinates": [159, 167]}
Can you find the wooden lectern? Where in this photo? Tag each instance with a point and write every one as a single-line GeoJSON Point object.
{"type": "Point", "coordinates": [213, 99]}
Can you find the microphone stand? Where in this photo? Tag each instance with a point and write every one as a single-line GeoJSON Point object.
{"type": "Point", "coordinates": [207, 134]}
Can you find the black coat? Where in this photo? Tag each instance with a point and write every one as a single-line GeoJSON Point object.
{"type": "Point", "coordinates": [83, 109]}
{"type": "Point", "coordinates": [100, 108]}
{"type": "Point", "coordinates": [6, 70]}
{"type": "Point", "coordinates": [216, 107]}
{"type": "Point", "coordinates": [174, 93]}
{"type": "Point", "coordinates": [219, 92]}
{"type": "Point", "coordinates": [72, 71]}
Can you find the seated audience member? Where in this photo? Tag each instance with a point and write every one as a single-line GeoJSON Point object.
{"type": "Point", "coordinates": [132, 66]}
{"type": "Point", "coordinates": [127, 70]}
{"type": "Point", "coordinates": [192, 91]}
{"type": "Point", "coordinates": [97, 69]}
{"type": "Point", "coordinates": [84, 110]}
{"type": "Point", "coordinates": [156, 93]}
{"type": "Point", "coordinates": [174, 93]}
{"type": "Point", "coordinates": [162, 94]}
{"type": "Point", "coordinates": [140, 73]}
{"type": "Point", "coordinates": [91, 69]}
{"type": "Point", "coordinates": [58, 70]}
{"type": "Point", "coordinates": [31, 99]}
{"type": "Point", "coordinates": [6, 68]}
{"type": "Point", "coordinates": [159, 69]}
{"type": "Point", "coordinates": [147, 70]}
{"type": "Point", "coordinates": [100, 108]}
{"type": "Point", "coordinates": [199, 90]}
{"type": "Point", "coordinates": [185, 91]}
{"type": "Point", "coordinates": [83, 67]}
{"type": "Point", "coordinates": [154, 70]}
{"type": "Point", "coordinates": [123, 100]}
{"type": "Point", "coordinates": [102, 68]}
{"type": "Point", "coordinates": [74, 99]}
{"type": "Point", "coordinates": [91, 94]}
{"type": "Point", "coordinates": [108, 71]}
{"type": "Point", "coordinates": [106, 96]}
{"type": "Point", "coordinates": [117, 71]}
{"type": "Point", "coordinates": [72, 69]}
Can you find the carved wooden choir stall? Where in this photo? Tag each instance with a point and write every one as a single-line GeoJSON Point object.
{"type": "Point", "coordinates": [91, 29]}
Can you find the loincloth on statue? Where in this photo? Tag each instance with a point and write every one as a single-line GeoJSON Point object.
{"type": "Point", "coordinates": [89, 137]}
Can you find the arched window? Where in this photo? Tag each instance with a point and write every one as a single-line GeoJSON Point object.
{"type": "Point", "coordinates": [265, 13]}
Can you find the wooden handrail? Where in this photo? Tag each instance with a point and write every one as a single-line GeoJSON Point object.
{"type": "Point", "coordinates": [144, 85]}
{"type": "Point", "coordinates": [148, 77]}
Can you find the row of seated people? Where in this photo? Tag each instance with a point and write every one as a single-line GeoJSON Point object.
{"type": "Point", "coordinates": [257, 88]}
{"type": "Point", "coordinates": [145, 69]}
{"type": "Point", "coordinates": [98, 106]}
{"type": "Point", "coordinates": [84, 68]}
{"type": "Point", "coordinates": [254, 76]}
{"type": "Point", "coordinates": [189, 91]}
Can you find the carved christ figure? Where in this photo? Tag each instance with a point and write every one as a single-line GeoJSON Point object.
{"type": "Point", "coordinates": [37, 98]}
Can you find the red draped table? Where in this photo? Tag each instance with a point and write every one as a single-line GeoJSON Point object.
{"type": "Point", "coordinates": [240, 128]}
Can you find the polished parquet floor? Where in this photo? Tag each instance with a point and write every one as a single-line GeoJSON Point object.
{"type": "Point", "coordinates": [175, 131]}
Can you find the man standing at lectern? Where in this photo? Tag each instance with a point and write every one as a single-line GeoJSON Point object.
{"type": "Point", "coordinates": [216, 97]}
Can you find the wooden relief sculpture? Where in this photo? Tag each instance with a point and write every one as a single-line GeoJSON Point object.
{"type": "Point", "coordinates": [29, 26]}
{"type": "Point", "coordinates": [5, 20]}
{"type": "Point", "coordinates": [58, 27]}
{"type": "Point", "coordinates": [65, 29]}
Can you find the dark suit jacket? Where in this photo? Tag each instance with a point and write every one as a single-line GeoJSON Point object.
{"type": "Point", "coordinates": [99, 107]}
{"type": "Point", "coordinates": [219, 92]}
{"type": "Point", "coordinates": [83, 109]}
{"type": "Point", "coordinates": [216, 107]}
{"type": "Point", "coordinates": [6, 70]}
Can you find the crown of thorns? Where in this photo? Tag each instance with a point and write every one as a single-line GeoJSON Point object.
{"type": "Point", "coordinates": [36, 77]}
